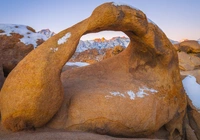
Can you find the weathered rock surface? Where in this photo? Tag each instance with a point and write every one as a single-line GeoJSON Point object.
{"type": "Point", "coordinates": [189, 46]}
{"type": "Point", "coordinates": [189, 58]}
{"type": "Point", "coordinates": [137, 93]}
{"type": "Point", "coordinates": [188, 62]}
{"type": "Point", "coordinates": [195, 73]}
{"type": "Point", "coordinates": [193, 120]}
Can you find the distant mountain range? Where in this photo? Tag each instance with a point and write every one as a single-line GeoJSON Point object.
{"type": "Point", "coordinates": [102, 43]}
{"type": "Point", "coordinates": [99, 43]}
{"type": "Point", "coordinates": [47, 33]}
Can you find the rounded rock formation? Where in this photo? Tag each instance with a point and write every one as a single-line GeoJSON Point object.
{"type": "Point", "coordinates": [133, 94]}
{"type": "Point", "coordinates": [189, 46]}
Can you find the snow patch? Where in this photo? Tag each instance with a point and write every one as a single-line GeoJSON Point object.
{"type": "Point", "coordinates": [131, 94]}
{"type": "Point", "coordinates": [123, 4]}
{"type": "Point", "coordinates": [64, 38]}
{"type": "Point", "coordinates": [192, 89]}
{"type": "Point", "coordinates": [29, 36]}
{"type": "Point", "coordinates": [54, 49]}
{"type": "Point", "coordinates": [79, 64]}
{"type": "Point", "coordinates": [142, 92]}
{"type": "Point", "coordinates": [117, 94]}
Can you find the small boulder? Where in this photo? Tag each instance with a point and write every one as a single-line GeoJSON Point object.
{"type": "Point", "coordinates": [113, 51]}
{"type": "Point", "coordinates": [188, 62]}
{"type": "Point", "coordinates": [189, 46]}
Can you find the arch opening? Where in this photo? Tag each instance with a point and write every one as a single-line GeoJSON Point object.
{"type": "Point", "coordinates": [103, 34]}
{"type": "Point", "coordinates": [95, 47]}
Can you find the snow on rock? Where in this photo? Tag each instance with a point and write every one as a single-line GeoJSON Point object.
{"type": "Point", "coordinates": [121, 4]}
{"type": "Point", "coordinates": [117, 94]}
{"type": "Point", "coordinates": [29, 37]}
{"type": "Point", "coordinates": [142, 92]}
{"type": "Point", "coordinates": [79, 64]}
{"type": "Point", "coordinates": [54, 49]}
{"type": "Point", "coordinates": [131, 94]}
{"type": "Point", "coordinates": [192, 89]}
{"type": "Point", "coordinates": [64, 38]}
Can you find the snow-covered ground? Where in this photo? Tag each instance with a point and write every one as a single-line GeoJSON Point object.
{"type": "Point", "coordinates": [192, 88]}
{"type": "Point", "coordinates": [29, 36]}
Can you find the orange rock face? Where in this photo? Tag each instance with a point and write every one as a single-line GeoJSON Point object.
{"type": "Point", "coordinates": [189, 58]}
{"type": "Point", "coordinates": [189, 46]}
{"type": "Point", "coordinates": [133, 94]}
{"type": "Point", "coordinates": [188, 62]}
{"type": "Point", "coordinates": [2, 78]}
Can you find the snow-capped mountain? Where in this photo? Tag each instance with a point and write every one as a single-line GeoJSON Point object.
{"type": "Point", "coordinates": [46, 32]}
{"type": "Point", "coordinates": [102, 43]}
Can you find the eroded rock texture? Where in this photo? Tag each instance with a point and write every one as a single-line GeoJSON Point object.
{"type": "Point", "coordinates": [189, 58]}
{"type": "Point", "coordinates": [134, 94]}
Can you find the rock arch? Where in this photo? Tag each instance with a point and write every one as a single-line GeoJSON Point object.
{"type": "Point", "coordinates": [33, 92]}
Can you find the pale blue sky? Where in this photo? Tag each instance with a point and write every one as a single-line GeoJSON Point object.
{"type": "Point", "coordinates": [179, 19]}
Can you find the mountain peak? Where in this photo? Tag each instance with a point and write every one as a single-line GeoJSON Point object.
{"type": "Point", "coordinates": [48, 33]}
